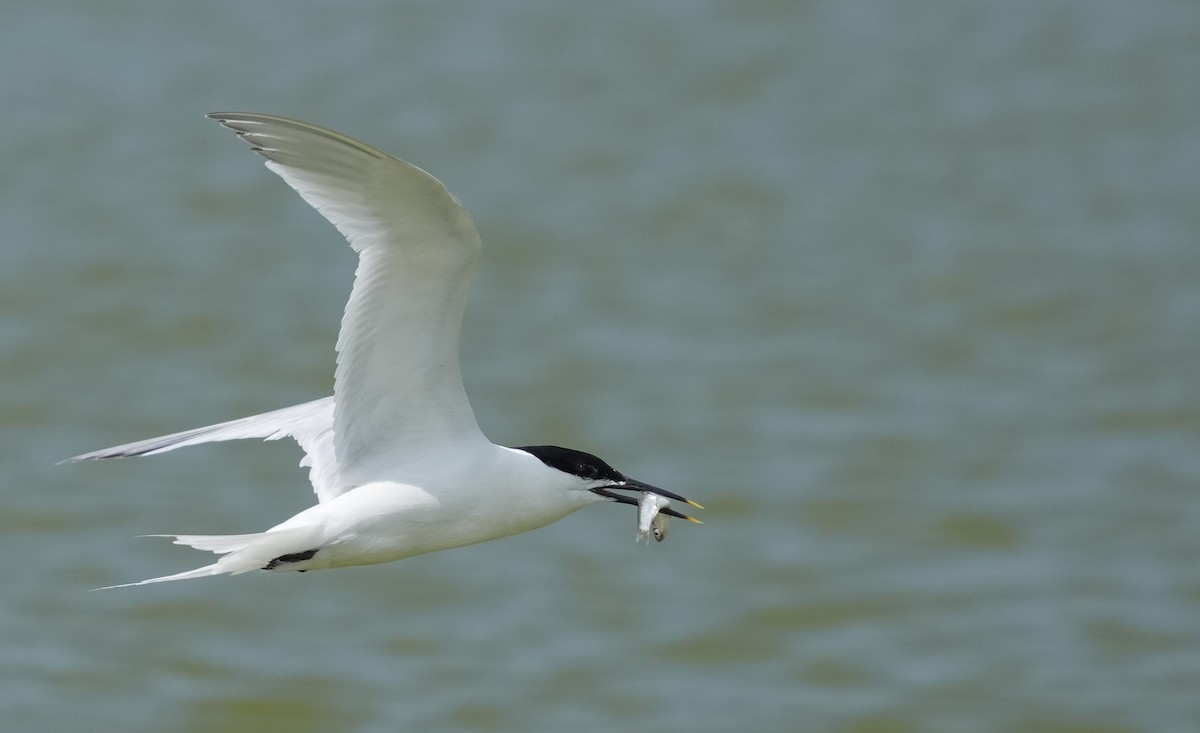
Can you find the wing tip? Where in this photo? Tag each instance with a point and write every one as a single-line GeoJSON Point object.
{"type": "Point", "coordinates": [96, 455]}
{"type": "Point", "coordinates": [223, 116]}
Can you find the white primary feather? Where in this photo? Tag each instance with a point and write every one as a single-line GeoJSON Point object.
{"type": "Point", "coordinates": [310, 423]}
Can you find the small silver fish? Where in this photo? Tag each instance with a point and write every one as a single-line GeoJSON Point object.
{"type": "Point", "coordinates": [650, 518]}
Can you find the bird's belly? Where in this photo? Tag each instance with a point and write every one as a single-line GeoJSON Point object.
{"type": "Point", "coordinates": [383, 522]}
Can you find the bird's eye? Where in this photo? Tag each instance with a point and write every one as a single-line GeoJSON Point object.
{"type": "Point", "coordinates": [588, 472]}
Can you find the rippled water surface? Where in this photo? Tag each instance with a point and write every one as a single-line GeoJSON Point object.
{"type": "Point", "coordinates": [907, 295]}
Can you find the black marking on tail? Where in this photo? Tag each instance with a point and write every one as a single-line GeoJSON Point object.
{"type": "Point", "coordinates": [293, 557]}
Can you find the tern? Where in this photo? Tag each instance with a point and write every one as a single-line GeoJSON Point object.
{"type": "Point", "coordinates": [395, 456]}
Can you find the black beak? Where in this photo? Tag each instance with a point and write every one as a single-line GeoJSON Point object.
{"type": "Point", "coordinates": [635, 485]}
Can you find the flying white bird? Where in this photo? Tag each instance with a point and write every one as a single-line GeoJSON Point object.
{"type": "Point", "coordinates": [396, 459]}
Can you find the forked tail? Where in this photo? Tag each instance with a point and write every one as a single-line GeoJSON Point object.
{"type": "Point", "coordinates": [241, 552]}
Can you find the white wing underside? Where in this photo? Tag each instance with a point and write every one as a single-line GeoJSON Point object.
{"type": "Point", "coordinates": [398, 390]}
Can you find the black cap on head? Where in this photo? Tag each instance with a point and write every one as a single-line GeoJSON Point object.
{"type": "Point", "coordinates": [574, 462]}
{"type": "Point", "coordinates": [590, 468]}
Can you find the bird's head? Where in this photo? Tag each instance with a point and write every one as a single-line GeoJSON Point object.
{"type": "Point", "coordinates": [602, 479]}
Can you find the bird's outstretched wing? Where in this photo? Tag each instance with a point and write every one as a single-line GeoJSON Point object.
{"type": "Point", "coordinates": [311, 424]}
{"type": "Point", "coordinates": [398, 389]}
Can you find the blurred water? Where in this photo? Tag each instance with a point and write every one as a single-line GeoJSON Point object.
{"type": "Point", "coordinates": [906, 294]}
